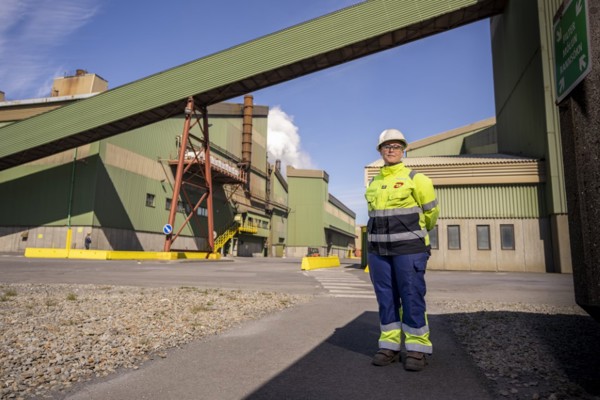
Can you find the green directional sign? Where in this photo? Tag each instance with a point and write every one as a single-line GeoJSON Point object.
{"type": "Point", "coordinates": [572, 52]}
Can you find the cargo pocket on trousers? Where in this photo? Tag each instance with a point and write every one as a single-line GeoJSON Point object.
{"type": "Point", "coordinates": [420, 265]}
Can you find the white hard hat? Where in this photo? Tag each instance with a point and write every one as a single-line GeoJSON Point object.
{"type": "Point", "coordinates": [389, 135]}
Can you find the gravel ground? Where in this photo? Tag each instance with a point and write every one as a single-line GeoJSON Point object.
{"type": "Point", "coordinates": [530, 351]}
{"type": "Point", "coordinates": [54, 336]}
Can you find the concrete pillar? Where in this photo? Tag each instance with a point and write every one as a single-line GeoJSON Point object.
{"type": "Point", "coordinates": [580, 130]}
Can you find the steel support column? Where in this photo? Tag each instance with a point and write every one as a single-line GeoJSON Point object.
{"type": "Point", "coordinates": [208, 177]}
{"type": "Point", "coordinates": [181, 170]}
{"type": "Point", "coordinates": [189, 111]}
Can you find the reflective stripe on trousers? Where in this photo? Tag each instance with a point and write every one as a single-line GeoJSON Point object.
{"type": "Point", "coordinates": [399, 283]}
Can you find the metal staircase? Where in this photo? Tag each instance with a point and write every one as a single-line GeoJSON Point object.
{"type": "Point", "coordinates": [226, 236]}
{"type": "Point", "coordinates": [230, 232]}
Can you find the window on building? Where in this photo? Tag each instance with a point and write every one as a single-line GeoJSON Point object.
{"type": "Point", "coordinates": [453, 237]}
{"type": "Point", "coordinates": [201, 211]}
{"type": "Point", "coordinates": [433, 238]}
{"type": "Point", "coordinates": [507, 237]}
{"type": "Point", "coordinates": [184, 207]}
{"type": "Point", "coordinates": [483, 237]}
{"type": "Point", "coordinates": [181, 206]}
{"type": "Point", "coordinates": [149, 200]}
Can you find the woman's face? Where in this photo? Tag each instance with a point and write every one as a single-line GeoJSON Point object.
{"type": "Point", "coordinates": [392, 152]}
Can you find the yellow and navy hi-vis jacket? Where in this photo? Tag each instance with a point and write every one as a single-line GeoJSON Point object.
{"type": "Point", "coordinates": [403, 207]}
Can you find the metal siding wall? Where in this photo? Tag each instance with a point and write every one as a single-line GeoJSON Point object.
{"type": "Point", "coordinates": [524, 86]}
{"type": "Point", "coordinates": [153, 141]}
{"type": "Point", "coordinates": [491, 202]}
{"type": "Point", "coordinates": [259, 144]}
{"type": "Point", "coordinates": [557, 200]}
{"type": "Point", "coordinates": [278, 228]}
{"type": "Point", "coordinates": [121, 201]}
{"type": "Point", "coordinates": [518, 85]}
{"type": "Point", "coordinates": [306, 217]}
{"type": "Point", "coordinates": [449, 147]}
{"type": "Point", "coordinates": [330, 219]}
{"type": "Point", "coordinates": [34, 195]}
{"type": "Point", "coordinates": [278, 193]}
{"type": "Point", "coordinates": [227, 134]}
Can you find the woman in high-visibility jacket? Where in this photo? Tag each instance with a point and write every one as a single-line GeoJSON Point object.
{"type": "Point", "coordinates": [403, 207]}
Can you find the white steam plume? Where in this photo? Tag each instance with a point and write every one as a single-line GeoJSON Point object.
{"type": "Point", "coordinates": [283, 141]}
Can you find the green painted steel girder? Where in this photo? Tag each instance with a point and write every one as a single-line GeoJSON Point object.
{"type": "Point", "coordinates": [333, 39]}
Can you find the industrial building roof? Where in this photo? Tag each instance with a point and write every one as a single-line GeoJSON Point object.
{"type": "Point", "coordinates": [467, 129]}
{"type": "Point", "coordinates": [463, 159]}
{"type": "Point", "coordinates": [472, 169]}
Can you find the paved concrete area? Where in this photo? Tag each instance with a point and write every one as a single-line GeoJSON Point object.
{"type": "Point", "coordinates": [318, 350]}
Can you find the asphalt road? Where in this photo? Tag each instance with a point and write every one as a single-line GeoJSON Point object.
{"type": "Point", "coordinates": [279, 274]}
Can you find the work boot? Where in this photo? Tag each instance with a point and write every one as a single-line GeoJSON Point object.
{"type": "Point", "coordinates": [385, 357]}
{"type": "Point", "coordinates": [414, 361]}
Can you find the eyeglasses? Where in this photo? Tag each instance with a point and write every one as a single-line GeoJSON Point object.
{"type": "Point", "coordinates": [394, 147]}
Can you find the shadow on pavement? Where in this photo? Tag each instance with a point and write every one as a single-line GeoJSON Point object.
{"type": "Point", "coordinates": [340, 368]}
{"type": "Point", "coordinates": [477, 355]}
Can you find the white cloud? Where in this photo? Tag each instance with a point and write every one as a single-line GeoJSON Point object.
{"type": "Point", "coordinates": [283, 141]}
{"type": "Point", "coordinates": [30, 31]}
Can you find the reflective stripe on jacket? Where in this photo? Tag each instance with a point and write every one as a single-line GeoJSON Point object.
{"type": "Point", "coordinates": [403, 207]}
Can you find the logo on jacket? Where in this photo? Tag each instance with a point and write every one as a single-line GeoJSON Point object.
{"type": "Point", "coordinates": [398, 184]}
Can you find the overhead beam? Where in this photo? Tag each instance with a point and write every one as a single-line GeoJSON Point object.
{"type": "Point", "coordinates": [336, 38]}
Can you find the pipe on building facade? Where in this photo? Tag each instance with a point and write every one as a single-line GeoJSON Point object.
{"type": "Point", "coordinates": [247, 131]}
{"type": "Point", "coordinates": [247, 137]}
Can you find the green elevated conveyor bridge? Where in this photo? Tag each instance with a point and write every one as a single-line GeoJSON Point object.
{"type": "Point", "coordinates": [344, 35]}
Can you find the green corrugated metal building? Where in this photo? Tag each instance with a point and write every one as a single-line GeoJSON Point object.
{"type": "Point", "coordinates": [120, 190]}
{"type": "Point", "coordinates": [318, 222]}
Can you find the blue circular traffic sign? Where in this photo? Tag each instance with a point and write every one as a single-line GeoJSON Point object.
{"type": "Point", "coordinates": [167, 229]}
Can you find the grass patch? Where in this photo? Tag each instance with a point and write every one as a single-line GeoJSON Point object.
{"type": "Point", "coordinates": [6, 296]}
{"type": "Point", "coordinates": [200, 308]}
{"type": "Point", "coordinates": [51, 303]}
{"type": "Point", "coordinates": [188, 288]}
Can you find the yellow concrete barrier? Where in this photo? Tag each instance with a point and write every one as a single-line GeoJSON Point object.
{"type": "Point", "coordinates": [31, 252]}
{"type": "Point", "coordinates": [320, 262]}
{"type": "Point", "coordinates": [200, 256]}
{"type": "Point", "coordinates": [88, 254]}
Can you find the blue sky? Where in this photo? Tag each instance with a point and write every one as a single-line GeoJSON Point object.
{"type": "Point", "coordinates": [329, 120]}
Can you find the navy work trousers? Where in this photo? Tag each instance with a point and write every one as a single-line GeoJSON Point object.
{"type": "Point", "coordinates": [399, 283]}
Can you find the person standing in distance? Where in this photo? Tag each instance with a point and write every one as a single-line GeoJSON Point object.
{"type": "Point", "coordinates": [88, 241]}
{"type": "Point", "coordinates": [403, 208]}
